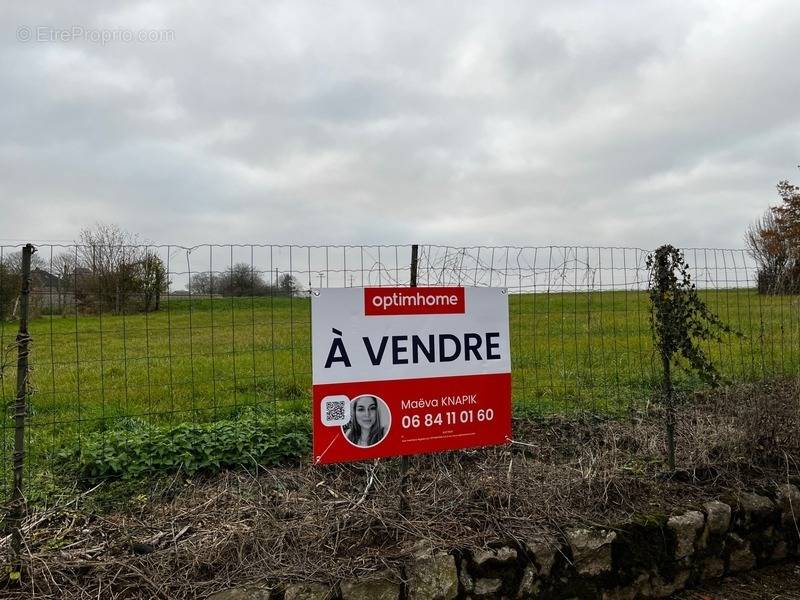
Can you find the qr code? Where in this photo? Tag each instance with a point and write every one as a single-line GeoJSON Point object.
{"type": "Point", "coordinates": [335, 411]}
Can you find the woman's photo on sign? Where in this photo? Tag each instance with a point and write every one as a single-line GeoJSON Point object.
{"type": "Point", "coordinates": [370, 420]}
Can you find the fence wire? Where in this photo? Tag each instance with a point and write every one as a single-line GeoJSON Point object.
{"type": "Point", "coordinates": [168, 334]}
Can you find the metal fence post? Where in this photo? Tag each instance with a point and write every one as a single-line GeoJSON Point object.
{"type": "Point", "coordinates": [404, 459]}
{"type": "Point", "coordinates": [20, 411]}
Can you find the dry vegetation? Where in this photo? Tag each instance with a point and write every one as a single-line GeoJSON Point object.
{"type": "Point", "coordinates": [186, 539]}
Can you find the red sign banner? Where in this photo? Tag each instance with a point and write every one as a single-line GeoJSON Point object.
{"type": "Point", "coordinates": [413, 301]}
{"type": "Point", "coordinates": [448, 413]}
{"type": "Point", "coordinates": [432, 373]}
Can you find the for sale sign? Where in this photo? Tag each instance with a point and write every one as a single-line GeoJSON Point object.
{"type": "Point", "coordinates": [409, 370]}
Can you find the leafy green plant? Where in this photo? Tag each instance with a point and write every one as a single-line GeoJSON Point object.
{"type": "Point", "coordinates": [132, 452]}
{"type": "Point", "coordinates": [679, 320]}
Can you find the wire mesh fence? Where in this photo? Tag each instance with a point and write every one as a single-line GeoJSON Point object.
{"type": "Point", "coordinates": [168, 334]}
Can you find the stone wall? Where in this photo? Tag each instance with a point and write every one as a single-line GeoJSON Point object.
{"type": "Point", "coordinates": [650, 557]}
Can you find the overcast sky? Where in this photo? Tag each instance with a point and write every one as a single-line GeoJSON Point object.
{"type": "Point", "coordinates": [535, 123]}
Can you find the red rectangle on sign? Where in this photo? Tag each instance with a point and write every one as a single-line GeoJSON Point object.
{"type": "Point", "coordinates": [388, 301]}
{"type": "Point", "coordinates": [375, 419]}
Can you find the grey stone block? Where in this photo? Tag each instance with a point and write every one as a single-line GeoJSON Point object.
{"type": "Point", "coordinates": [242, 593]}
{"type": "Point", "coordinates": [718, 517]}
{"type": "Point", "coordinates": [376, 587]}
{"type": "Point", "coordinates": [432, 577]}
{"type": "Point", "coordinates": [686, 528]}
{"type": "Point", "coordinates": [591, 550]}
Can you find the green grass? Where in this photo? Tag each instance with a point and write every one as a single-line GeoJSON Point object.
{"type": "Point", "coordinates": [203, 360]}
{"type": "Point", "coordinates": [594, 351]}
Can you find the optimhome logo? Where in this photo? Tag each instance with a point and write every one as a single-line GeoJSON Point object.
{"type": "Point", "coordinates": [413, 301]}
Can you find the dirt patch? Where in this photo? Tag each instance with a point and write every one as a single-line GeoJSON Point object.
{"type": "Point", "coordinates": [324, 524]}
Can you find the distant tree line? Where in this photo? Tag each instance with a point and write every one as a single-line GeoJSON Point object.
{"type": "Point", "coordinates": [774, 242]}
{"type": "Point", "coordinates": [241, 279]}
{"type": "Point", "coordinates": [108, 270]}
{"type": "Point", "coordinates": [11, 280]}
{"type": "Point", "coordinates": [111, 270]}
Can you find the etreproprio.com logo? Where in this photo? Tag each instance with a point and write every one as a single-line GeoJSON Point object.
{"type": "Point", "coordinates": [101, 36]}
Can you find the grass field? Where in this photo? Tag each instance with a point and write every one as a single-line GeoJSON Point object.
{"type": "Point", "coordinates": [204, 359]}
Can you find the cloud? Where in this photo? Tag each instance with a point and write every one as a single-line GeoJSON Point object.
{"type": "Point", "coordinates": [492, 123]}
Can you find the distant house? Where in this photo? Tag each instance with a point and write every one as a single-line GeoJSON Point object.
{"type": "Point", "coordinates": [44, 280]}
{"type": "Point", "coordinates": [50, 294]}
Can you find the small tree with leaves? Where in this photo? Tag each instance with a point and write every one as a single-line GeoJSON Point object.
{"type": "Point", "coordinates": [679, 321]}
{"type": "Point", "coordinates": [152, 280]}
{"type": "Point", "coordinates": [288, 284]}
{"type": "Point", "coordinates": [774, 242]}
